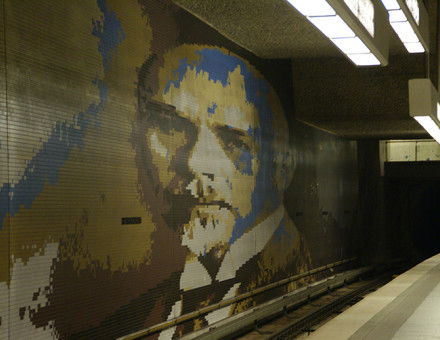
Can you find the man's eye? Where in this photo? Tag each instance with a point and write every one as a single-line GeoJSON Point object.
{"type": "Point", "coordinates": [169, 122]}
{"type": "Point", "coordinates": [237, 143]}
{"type": "Point", "coordinates": [234, 140]}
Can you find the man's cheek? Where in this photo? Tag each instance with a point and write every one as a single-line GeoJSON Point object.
{"type": "Point", "coordinates": [177, 152]}
{"type": "Point", "coordinates": [220, 189]}
{"type": "Point", "coordinates": [243, 163]}
{"type": "Point", "coordinates": [164, 172]}
{"type": "Point", "coordinates": [243, 187]}
{"type": "Point", "coordinates": [160, 157]}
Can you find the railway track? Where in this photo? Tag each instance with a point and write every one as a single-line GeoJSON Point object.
{"type": "Point", "coordinates": [303, 319]}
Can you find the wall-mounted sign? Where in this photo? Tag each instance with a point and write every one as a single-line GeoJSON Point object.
{"type": "Point", "coordinates": [131, 220]}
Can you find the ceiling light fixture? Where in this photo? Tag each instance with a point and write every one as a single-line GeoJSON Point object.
{"type": "Point", "coordinates": [409, 20]}
{"type": "Point", "coordinates": [424, 106]}
{"type": "Point", "coordinates": [358, 28]}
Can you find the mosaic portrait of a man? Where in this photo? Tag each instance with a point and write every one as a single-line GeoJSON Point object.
{"type": "Point", "coordinates": [206, 142]}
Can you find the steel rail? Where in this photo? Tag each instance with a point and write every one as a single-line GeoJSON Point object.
{"type": "Point", "coordinates": [297, 327]}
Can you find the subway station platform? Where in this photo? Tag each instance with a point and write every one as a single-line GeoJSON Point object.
{"type": "Point", "coordinates": [408, 307]}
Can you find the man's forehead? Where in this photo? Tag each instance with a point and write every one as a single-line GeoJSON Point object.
{"type": "Point", "coordinates": [219, 104]}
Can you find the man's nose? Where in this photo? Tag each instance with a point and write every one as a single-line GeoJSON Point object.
{"type": "Point", "coordinates": [207, 161]}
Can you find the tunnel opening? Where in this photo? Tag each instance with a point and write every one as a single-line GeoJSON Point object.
{"type": "Point", "coordinates": [412, 209]}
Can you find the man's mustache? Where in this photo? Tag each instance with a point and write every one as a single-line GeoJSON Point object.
{"type": "Point", "coordinates": [220, 204]}
{"type": "Point", "coordinates": [187, 200]}
{"type": "Point", "coordinates": [182, 204]}
{"type": "Point", "coordinates": [182, 189]}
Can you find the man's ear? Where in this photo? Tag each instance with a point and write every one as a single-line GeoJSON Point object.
{"type": "Point", "coordinates": [284, 169]}
{"type": "Point", "coordinates": [289, 165]}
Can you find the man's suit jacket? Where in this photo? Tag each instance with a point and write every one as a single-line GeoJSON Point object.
{"type": "Point", "coordinates": [285, 254]}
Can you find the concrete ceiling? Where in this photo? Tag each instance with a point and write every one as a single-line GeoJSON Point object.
{"type": "Point", "coordinates": [274, 29]}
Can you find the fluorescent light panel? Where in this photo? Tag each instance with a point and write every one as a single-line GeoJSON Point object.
{"type": "Point", "coordinates": [405, 32]}
{"type": "Point", "coordinates": [332, 26]}
{"type": "Point", "coordinates": [351, 45]}
{"type": "Point", "coordinates": [396, 15]}
{"type": "Point", "coordinates": [414, 47]}
{"type": "Point", "coordinates": [323, 17]}
{"type": "Point", "coordinates": [364, 59]}
{"type": "Point", "coordinates": [313, 7]}
{"type": "Point", "coordinates": [429, 125]}
{"type": "Point", "coordinates": [402, 26]}
{"type": "Point", "coordinates": [391, 4]}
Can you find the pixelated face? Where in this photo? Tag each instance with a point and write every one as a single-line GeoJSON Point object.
{"type": "Point", "coordinates": [205, 153]}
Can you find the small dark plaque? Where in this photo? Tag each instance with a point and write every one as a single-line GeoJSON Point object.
{"type": "Point", "coordinates": [131, 220]}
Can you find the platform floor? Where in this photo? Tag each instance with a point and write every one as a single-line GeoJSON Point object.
{"type": "Point", "coordinates": [408, 307]}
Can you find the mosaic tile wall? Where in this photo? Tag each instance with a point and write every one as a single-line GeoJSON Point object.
{"type": "Point", "coordinates": [150, 167]}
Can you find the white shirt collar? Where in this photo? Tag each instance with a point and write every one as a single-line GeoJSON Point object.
{"type": "Point", "coordinates": [241, 251]}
